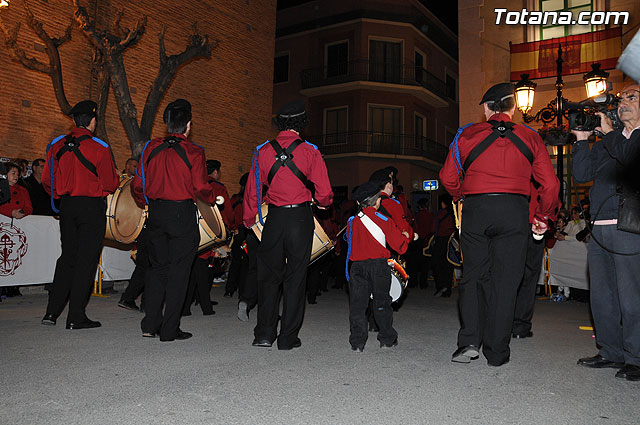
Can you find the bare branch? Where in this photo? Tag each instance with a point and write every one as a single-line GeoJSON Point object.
{"type": "Point", "coordinates": [163, 51]}
{"type": "Point", "coordinates": [66, 37]}
{"type": "Point", "coordinates": [133, 36]}
{"type": "Point", "coordinates": [116, 24]}
{"type": "Point", "coordinates": [18, 54]}
{"type": "Point", "coordinates": [86, 24]}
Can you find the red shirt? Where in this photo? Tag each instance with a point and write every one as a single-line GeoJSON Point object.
{"type": "Point", "coordinates": [19, 200]}
{"type": "Point", "coordinates": [502, 168]}
{"type": "Point", "coordinates": [365, 247]}
{"type": "Point", "coordinates": [236, 204]}
{"type": "Point", "coordinates": [446, 223]}
{"type": "Point", "coordinates": [226, 209]}
{"type": "Point", "coordinates": [166, 176]}
{"type": "Point", "coordinates": [396, 213]}
{"type": "Point", "coordinates": [74, 179]}
{"type": "Point", "coordinates": [424, 223]}
{"type": "Point", "coordinates": [286, 188]}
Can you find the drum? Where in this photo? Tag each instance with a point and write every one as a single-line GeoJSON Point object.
{"type": "Point", "coordinates": [212, 230]}
{"type": "Point", "coordinates": [399, 280]}
{"type": "Point", "coordinates": [321, 242]}
{"type": "Point", "coordinates": [124, 217]}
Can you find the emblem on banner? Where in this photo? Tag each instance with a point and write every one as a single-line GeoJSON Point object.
{"type": "Point", "coordinates": [13, 247]}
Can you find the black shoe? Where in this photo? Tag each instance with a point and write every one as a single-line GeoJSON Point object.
{"type": "Point", "coordinates": [357, 349]}
{"type": "Point", "coordinates": [149, 334]}
{"type": "Point", "coordinates": [446, 293]}
{"type": "Point", "coordinates": [312, 301]}
{"type": "Point", "coordinates": [296, 344]}
{"type": "Point", "coordinates": [214, 302]}
{"type": "Point", "coordinates": [393, 344]}
{"type": "Point", "coordinates": [128, 305]}
{"type": "Point", "coordinates": [498, 363]}
{"type": "Point", "coordinates": [465, 354]}
{"type": "Point", "coordinates": [373, 328]}
{"type": "Point", "coordinates": [49, 319]}
{"type": "Point", "coordinates": [522, 336]}
{"type": "Point", "coordinates": [598, 362]}
{"type": "Point", "coordinates": [262, 342]}
{"type": "Point", "coordinates": [227, 295]}
{"type": "Point", "coordinates": [186, 313]}
{"type": "Point", "coordinates": [87, 324]}
{"type": "Point", "coordinates": [180, 336]}
{"type": "Point", "coordinates": [208, 313]}
{"type": "Point", "coordinates": [630, 372]}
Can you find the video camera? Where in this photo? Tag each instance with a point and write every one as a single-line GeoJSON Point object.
{"type": "Point", "coordinates": [583, 115]}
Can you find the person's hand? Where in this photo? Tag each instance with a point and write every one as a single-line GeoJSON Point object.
{"type": "Point", "coordinates": [17, 213]}
{"type": "Point", "coordinates": [405, 234]}
{"type": "Point", "coordinates": [539, 227]}
{"type": "Point", "coordinates": [606, 126]}
{"type": "Point", "coordinates": [581, 135]}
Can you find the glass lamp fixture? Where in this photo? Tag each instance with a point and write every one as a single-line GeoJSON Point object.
{"type": "Point", "coordinates": [525, 90]}
{"type": "Point", "coordinates": [595, 80]}
{"type": "Point", "coordinates": [4, 3]}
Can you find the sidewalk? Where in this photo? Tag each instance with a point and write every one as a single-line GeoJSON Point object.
{"type": "Point", "coordinates": [112, 375]}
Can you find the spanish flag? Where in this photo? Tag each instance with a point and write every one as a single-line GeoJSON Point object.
{"type": "Point", "coordinates": [538, 59]}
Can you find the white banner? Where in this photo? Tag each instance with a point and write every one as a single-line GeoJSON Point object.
{"type": "Point", "coordinates": [30, 247]}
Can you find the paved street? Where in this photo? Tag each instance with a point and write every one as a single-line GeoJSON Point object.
{"type": "Point", "coordinates": [112, 375]}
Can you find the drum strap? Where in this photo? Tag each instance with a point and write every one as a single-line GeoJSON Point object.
{"type": "Point", "coordinates": [72, 144]}
{"type": "Point", "coordinates": [284, 157]}
{"type": "Point", "coordinates": [500, 129]}
{"type": "Point", "coordinates": [170, 143]}
{"type": "Point", "coordinates": [373, 229]}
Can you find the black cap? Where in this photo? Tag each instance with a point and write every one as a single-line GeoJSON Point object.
{"type": "Point", "coordinates": [86, 107]}
{"type": "Point", "coordinates": [177, 106]}
{"type": "Point", "coordinates": [498, 92]}
{"type": "Point", "coordinates": [243, 179]}
{"type": "Point", "coordinates": [384, 175]}
{"type": "Point", "coordinates": [366, 190]}
{"type": "Point", "coordinates": [292, 109]}
{"type": "Point", "coordinates": [213, 165]}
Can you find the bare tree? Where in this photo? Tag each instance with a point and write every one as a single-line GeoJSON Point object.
{"type": "Point", "coordinates": [108, 63]}
{"type": "Point", "coordinates": [111, 47]}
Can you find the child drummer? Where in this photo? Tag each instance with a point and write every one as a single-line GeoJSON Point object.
{"type": "Point", "coordinates": [369, 233]}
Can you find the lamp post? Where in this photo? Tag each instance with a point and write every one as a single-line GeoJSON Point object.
{"type": "Point", "coordinates": [595, 83]}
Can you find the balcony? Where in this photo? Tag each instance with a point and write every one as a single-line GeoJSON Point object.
{"type": "Point", "coordinates": [385, 76]}
{"type": "Point", "coordinates": [380, 143]}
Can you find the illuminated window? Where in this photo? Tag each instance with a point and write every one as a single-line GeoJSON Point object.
{"type": "Point", "coordinates": [575, 7]}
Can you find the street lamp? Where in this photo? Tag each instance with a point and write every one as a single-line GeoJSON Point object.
{"type": "Point", "coordinates": [595, 82]}
{"type": "Point", "coordinates": [4, 3]}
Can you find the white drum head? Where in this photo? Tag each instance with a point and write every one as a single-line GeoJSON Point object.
{"type": "Point", "coordinates": [396, 288]}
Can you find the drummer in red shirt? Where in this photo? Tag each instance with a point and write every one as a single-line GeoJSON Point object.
{"type": "Point", "coordinates": [369, 233]}
{"type": "Point", "coordinates": [171, 175]}
{"type": "Point", "coordinates": [284, 252]}
{"type": "Point", "coordinates": [490, 164]}
{"type": "Point", "coordinates": [80, 171]}
{"type": "Point", "coordinates": [20, 204]}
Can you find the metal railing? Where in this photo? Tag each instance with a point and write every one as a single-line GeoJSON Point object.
{"type": "Point", "coordinates": [369, 70]}
{"type": "Point", "coordinates": [383, 143]}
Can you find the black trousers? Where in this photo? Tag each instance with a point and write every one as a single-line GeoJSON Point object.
{"type": "Point", "coordinates": [370, 277]}
{"type": "Point", "coordinates": [83, 222]}
{"type": "Point", "coordinates": [237, 254]}
{"type": "Point", "coordinates": [526, 297]}
{"type": "Point", "coordinates": [200, 286]}
{"type": "Point", "coordinates": [248, 279]}
{"type": "Point", "coordinates": [442, 268]}
{"type": "Point", "coordinates": [494, 236]}
{"type": "Point", "coordinates": [136, 283]}
{"type": "Point", "coordinates": [173, 238]}
{"type": "Point", "coordinates": [283, 258]}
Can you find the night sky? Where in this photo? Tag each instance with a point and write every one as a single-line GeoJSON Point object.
{"type": "Point", "coordinates": [447, 11]}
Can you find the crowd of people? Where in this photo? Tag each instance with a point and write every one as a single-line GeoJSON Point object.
{"type": "Point", "coordinates": [505, 210]}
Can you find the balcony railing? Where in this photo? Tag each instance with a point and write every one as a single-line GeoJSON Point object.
{"type": "Point", "coordinates": [367, 70]}
{"type": "Point", "coordinates": [383, 143]}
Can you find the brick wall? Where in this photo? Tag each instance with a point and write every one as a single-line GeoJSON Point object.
{"type": "Point", "coordinates": [231, 93]}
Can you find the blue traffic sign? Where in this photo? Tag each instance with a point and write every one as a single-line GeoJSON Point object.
{"type": "Point", "coordinates": [430, 185]}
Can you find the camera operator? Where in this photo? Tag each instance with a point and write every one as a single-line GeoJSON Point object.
{"type": "Point", "coordinates": [615, 293]}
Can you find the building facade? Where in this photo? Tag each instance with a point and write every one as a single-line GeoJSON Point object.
{"type": "Point", "coordinates": [380, 80]}
{"type": "Point", "coordinates": [231, 92]}
{"type": "Point", "coordinates": [485, 57]}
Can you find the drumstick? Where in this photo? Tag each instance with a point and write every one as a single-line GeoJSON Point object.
{"type": "Point", "coordinates": [219, 200]}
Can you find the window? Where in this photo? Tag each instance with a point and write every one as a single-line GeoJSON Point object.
{"type": "Point", "coordinates": [385, 61]}
{"type": "Point", "coordinates": [337, 59]}
{"type": "Point", "coordinates": [335, 125]}
{"type": "Point", "coordinates": [419, 130]}
{"type": "Point", "coordinates": [281, 68]}
{"type": "Point", "coordinates": [419, 65]}
{"type": "Point", "coordinates": [385, 126]}
{"type": "Point", "coordinates": [451, 86]}
{"type": "Point", "coordinates": [573, 6]}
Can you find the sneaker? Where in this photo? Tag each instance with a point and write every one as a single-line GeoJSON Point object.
{"type": "Point", "coordinates": [243, 311]}
{"type": "Point", "coordinates": [357, 349]}
{"type": "Point", "coordinates": [465, 354]}
{"type": "Point", "coordinates": [128, 305]}
{"type": "Point", "coordinates": [439, 292]}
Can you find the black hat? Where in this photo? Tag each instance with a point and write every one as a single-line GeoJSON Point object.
{"type": "Point", "coordinates": [366, 190]}
{"type": "Point", "coordinates": [498, 93]}
{"type": "Point", "coordinates": [292, 109]}
{"type": "Point", "coordinates": [86, 107]}
{"type": "Point", "coordinates": [177, 106]}
{"type": "Point", "coordinates": [243, 179]}
{"type": "Point", "coordinates": [213, 165]}
{"type": "Point", "coordinates": [384, 175]}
